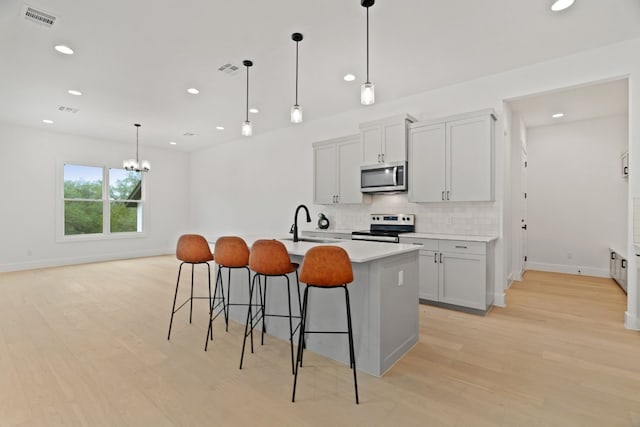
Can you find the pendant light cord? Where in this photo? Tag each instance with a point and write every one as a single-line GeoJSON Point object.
{"type": "Point", "coordinates": [247, 109]}
{"type": "Point", "coordinates": [137, 129]}
{"type": "Point", "coordinates": [297, 73]}
{"type": "Point", "coordinates": [367, 44]}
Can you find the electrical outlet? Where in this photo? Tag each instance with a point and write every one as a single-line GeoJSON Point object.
{"type": "Point", "coordinates": [400, 277]}
{"type": "Point", "coordinates": [569, 255]}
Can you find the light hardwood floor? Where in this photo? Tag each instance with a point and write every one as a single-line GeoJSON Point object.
{"type": "Point", "coordinates": [86, 345]}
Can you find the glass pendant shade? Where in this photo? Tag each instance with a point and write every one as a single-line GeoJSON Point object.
{"type": "Point", "coordinates": [367, 94]}
{"type": "Point", "coordinates": [296, 114]}
{"type": "Point", "coordinates": [247, 128]}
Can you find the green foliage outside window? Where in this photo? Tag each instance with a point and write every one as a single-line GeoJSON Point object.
{"type": "Point", "coordinates": [84, 204]}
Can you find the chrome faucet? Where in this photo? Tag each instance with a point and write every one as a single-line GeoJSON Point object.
{"type": "Point", "coordinates": [295, 221]}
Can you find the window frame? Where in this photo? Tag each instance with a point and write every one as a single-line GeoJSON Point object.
{"type": "Point", "coordinates": [106, 201]}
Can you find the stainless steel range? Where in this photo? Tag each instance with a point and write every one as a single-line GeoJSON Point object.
{"type": "Point", "coordinates": [386, 228]}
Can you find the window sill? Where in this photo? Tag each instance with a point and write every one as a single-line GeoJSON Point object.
{"type": "Point", "coordinates": [100, 237]}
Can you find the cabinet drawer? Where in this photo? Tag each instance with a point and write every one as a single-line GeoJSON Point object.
{"type": "Point", "coordinates": [461, 246]}
{"type": "Point", "coordinates": [427, 244]}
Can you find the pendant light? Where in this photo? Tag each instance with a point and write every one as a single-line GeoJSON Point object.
{"type": "Point", "coordinates": [135, 165]}
{"type": "Point", "coordinates": [247, 128]}
{"type": "Point", "coordinates": [296, 110]}
{"type": "Point", "coordinates": [367, 90]}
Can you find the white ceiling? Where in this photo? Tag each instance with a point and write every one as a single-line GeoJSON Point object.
{"type": "Point", "coordinates": [135, 59]}
{"type": "Point", "coordinates": [578, 103]}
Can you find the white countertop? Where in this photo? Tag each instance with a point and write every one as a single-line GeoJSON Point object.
{"type": "Point", "coordinates": [358, 251]}
{"type": "Point", "coordinates": [466, 237]}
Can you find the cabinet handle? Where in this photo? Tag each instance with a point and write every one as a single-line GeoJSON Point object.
{"type": "Point", "coordinates": [443, 195]}
{"type": "Point", "coordinates": [461, 247]}
{"type": "Point", "coordinates": [625, 170]}
{"type": "Point", "coordinates": [338, 198]}
{"type": "Point", "coordinates": [382, 157]}
{"type": "Point", "coordinates": [440, 257]}
{"type": "Point", "coordinates": [613, 255]}
{"type": "Point", "coordinates": [448, 194]}
{"type": "Point", "coordinates": [623, 263]}
{"type": "Point", "coordinates": [435, 257]}
{"type": "Point", "coordinates": [378, 158]}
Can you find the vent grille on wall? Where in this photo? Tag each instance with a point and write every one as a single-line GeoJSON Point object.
{"type": "Point", "coordinates": [38, 16]}
{"type": "Point", "coordinates": [188, 134]}
{"type": "Point", "coordinates": [67, 109]}
{"type": "Point", "coordinates": [229, 68]}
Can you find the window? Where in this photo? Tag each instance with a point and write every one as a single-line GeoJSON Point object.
{"type": "Point", "coordinates": [101, 201]}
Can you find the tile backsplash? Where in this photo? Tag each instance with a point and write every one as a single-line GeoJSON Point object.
{"type": "Point", "coordinates": [477, 219]}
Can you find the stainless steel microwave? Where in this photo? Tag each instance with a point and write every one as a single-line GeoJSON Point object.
{"type": "Point", "coordinates": [384, 178]}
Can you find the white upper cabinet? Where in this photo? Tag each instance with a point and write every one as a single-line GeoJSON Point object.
{"type": "Point", "coordinates": [385, 140]}
{"type": "Point", "coordinates": [452, 159]}
{"type": "Point", "coordinates": [336, 177]}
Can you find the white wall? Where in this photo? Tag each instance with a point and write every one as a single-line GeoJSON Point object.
{"type": "Point", "coordinates": [577, 197]}
{"type": "Point", "coordinates": [254, 184]}
{"type": "Point", "coordinates": [28, 167]}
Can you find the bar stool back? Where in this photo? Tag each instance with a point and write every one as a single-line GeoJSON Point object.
{"type": "Point", "coordinates": [326, 267]}
{"type": "Point", "coordinates": [231, 252]}
{"type": "Point", "coordinates": [269, 258]}
{"type": "Point", "coordinates": [191, 249]}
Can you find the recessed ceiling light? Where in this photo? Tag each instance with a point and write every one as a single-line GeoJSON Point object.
{"type": "Point", "coordinates": [254, 110]}
{"type": "Point", "coordinates": [220, 127]}
{"type": "Point", "coordinates": [559, 5]}
{"type": "Point", "coordinates": [557, 115]}
{"type": "Point", "coordinates": [172, 143]}
{"type": "Point", "coordinates": [64, 49]}
{"type": "Point", "coordinates": [193, 91]}
{"type": "Point", "coordinates": [47, 121]}
{"type": "Point", "coordinates": [74, 92]}
{"type": "Point", "coordinates": [349, 77]}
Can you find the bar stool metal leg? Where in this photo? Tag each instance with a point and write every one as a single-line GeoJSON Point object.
{"type": "Point", "coordinates": [352, 353]}
{"type": "Point", "coordinates": [175, 297]}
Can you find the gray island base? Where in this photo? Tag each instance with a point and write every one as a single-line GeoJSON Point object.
{"type": "Point", "coordinates": [384, 305]}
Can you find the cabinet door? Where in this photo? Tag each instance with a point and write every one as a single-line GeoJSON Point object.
{"type": "Point", "coordinates": [427, 163]}
{"type": "Point", "coordinates": [469, 159]}
{"type": "Point", "coordinates": [394, 142]}
{"type": "Point", "coordinates": [462, 280]}
{"type": "Point", "coordinates": [349, 172]}
{"type": "Point", "coordinates": [371, 139]}
{"type": "Point", "coordinates": [428, 285]}
{"type": "Point", "coordinates": [325, 174]}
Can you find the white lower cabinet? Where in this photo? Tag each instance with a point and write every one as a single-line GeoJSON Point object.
{"type": "Point", "coordinates": [456, 273]}
{"type": "Point", "coordinates": [618, 268]}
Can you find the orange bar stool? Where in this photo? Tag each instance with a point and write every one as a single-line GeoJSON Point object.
{"type": "Point", "coordinates": [231, 252]}
{"type": "Point", "coordinates": [192, 249]}
{"type": "Point", "coordinates": [269, 258]}
{"type": "Point", "coordinates": [325, 267]}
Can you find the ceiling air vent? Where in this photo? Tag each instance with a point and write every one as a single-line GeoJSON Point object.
{"type": "Point", "coordinates": [229, 68]}
{"type": "Point", "coordinates": [39, 16]}
{"type": "Point", "coordinates": [188, 134]}
{"type": "Point", "coordinates": [67, 109]}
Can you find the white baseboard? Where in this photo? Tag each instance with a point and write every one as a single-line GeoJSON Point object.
{"type": "Point", "coordinates": [499, 299]}
{"type": "Point", "coordinates": [59, 262]}
{"type": "Point", "coordinates": [631, 322]}
{"type": "Point", "coordinates": [569, 269]}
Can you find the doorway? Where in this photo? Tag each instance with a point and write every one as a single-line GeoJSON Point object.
{"type": "Point", "coordinates": [569, 197]}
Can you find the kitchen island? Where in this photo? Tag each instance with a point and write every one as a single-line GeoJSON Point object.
{"type": "Point", "coordinates": [384, 303]}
